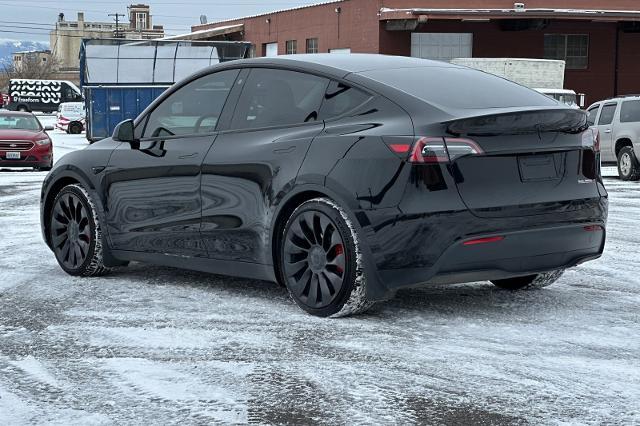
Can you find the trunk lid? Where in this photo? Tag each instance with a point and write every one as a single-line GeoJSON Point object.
{"type": "Point", "coordinates": [534, 162]}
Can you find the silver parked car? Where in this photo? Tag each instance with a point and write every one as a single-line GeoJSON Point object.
{"type": "Point", "coordinates": [618, 121]}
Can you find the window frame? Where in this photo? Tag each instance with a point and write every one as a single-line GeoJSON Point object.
{"type": "Point", "coordinates": [597, 108]}
{"type": "Point", "coordinates": [248, 70]}
{"type": "Point", "coordinates": [615, 111]}
{"type": "Point", "coordinates": [316, 47]}
{"type": "Point", "coordinates": [144, 118]}
{"type": "Point", "coordinates": [347, 112]}
{"type": "Point", "coordinates": [566, 47]}
{"type": "Point", "coordinates": [291, 47]}
{"type": "Point", "coordinates": [622, 104]}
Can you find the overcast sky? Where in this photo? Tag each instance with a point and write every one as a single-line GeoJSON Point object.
{"type": "Point", "coordinates": [39, 16]}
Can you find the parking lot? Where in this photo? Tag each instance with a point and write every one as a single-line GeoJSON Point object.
{"type": "Point", "coordinates": [151, 344]}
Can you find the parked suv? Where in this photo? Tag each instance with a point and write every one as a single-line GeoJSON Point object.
{"type": "Point", "coordinates": [618, 121]}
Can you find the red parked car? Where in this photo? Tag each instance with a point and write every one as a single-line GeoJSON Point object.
{"type": "Point", "coordinates": [24, 142]}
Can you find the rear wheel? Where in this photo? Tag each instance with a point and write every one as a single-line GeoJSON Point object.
{"type": "Point", "coordinates": [23, 108]}
{"type": "Point", "coordinates": [75, 233]}
{"type": "Point", "coordinates": [628, 167]}
{"type": "Point", "coordinates": [530, 281]}
{"type": "Point", "coordinates": [320, 261]}
{"type": "Point", "coordinates": [75, 128]}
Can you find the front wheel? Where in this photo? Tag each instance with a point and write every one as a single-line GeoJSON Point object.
{"type": "Point", "coordinates": [321, 262]}
{"type": "Point", "coordinates": [530, 281]}
{"type": "Point", "coordinates": [628, 167]}
{"type": "Point", "coordinates": [75, 233]}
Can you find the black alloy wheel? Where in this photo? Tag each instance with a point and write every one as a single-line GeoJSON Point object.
{"type": "Point", "coordinates": [70, 231]}
{"type": "Point", "coordinates": [75, 234]}
{"type": "Point", "coordinates": [314, 259]}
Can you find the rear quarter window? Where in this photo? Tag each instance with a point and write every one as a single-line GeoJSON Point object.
{"type": "Point", "coordinates": [463, 88]}
{"type": "Point", "coordinates": [630, 112]}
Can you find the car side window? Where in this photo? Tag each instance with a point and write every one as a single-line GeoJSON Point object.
{"type": "Point", "coordinates": [192, 109]}
{"type": "Point", "coordinates": [630, 112]}
{"type": "Point", "coordinates": [341, 98]}
{"type": "Point", "coordinates": [606, 116]}
{"type": "Point", "coordinates": [273, 97]}
{"type": "Point", "coordinates": [593, 114]}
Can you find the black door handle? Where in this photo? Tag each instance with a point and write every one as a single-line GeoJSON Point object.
{"type": "Point", "coordinates": [284, 150]}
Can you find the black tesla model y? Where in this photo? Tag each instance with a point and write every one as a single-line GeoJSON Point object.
{"type": "Point", "coordinates": [342, 177]}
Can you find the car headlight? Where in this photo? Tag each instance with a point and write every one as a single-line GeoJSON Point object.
{"type": "Point", "coordinates": [45, 141]}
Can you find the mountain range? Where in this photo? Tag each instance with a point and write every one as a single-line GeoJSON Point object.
{"type": "Point", "coordinates": [9, 47]}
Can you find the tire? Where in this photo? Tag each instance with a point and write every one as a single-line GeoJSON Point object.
{"type": "Point", "coordinates": [23, 108]}
{"type": "Point", "coordinates": [628, 167]}
{"type": "Point", "coordinates": [530, 281]}
{"type": "Point", "coordinates": [75, 233]}
{"type": "Point", "coordinates": [320, 261]}
{"type": "Point", "coordinates": [42, 168]}
{"type": "Point", "coordinates": [75, 128]}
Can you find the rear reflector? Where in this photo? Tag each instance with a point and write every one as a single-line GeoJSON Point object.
{"type": "Point", "coordinates": [400, 148]}
{"type": "Point", "coordinates": [593, 228]}
{"type": "Point", "coordinates": [483, 241]}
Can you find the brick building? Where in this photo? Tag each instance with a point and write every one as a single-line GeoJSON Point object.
{"type": "Point", "coordinates": [599, 39]}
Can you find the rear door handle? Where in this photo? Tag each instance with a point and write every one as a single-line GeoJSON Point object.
{"type": "Point", "coordinates": [284, 150]}
{"type": "Point", "coordinates": [183, 157]}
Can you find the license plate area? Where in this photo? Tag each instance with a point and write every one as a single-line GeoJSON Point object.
{"type": "Point", "coordinates": [13, 156]}
{"type": "Point", "coordinates": [536, 168]}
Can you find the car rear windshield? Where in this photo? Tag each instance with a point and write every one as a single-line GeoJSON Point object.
{"type": "Point", "coordinates": [459, 87]}
{"type": "Point", "coordinates": [630, 112]}
{"type": "Point", "coordinates": [19, 122]}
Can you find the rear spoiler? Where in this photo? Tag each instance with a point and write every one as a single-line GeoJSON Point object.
{"type": "Point", "coordinates": [521, 121]}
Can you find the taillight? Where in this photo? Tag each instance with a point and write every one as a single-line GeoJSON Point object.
{"type": "Point", "coordinates": [430, 150]}
{"type": "Point", "coordinates": [591, 139]}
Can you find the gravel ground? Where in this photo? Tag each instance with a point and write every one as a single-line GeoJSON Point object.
{"type": "Point", "coordinates": [161, 345]}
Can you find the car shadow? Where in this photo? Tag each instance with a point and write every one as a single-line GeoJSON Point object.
{"type": "Point", "coordinates": [477, 300]}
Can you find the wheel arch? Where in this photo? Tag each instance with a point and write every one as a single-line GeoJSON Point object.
{"type": "Point", "coordinates": [621, 143]}
{"type": "Point", "coordinates": [376, 290]}
{"type": "Point", "coordinates": [52, 186]}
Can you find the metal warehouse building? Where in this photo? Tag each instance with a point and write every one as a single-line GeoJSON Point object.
{"type": "Point", "coordinates": [598, 39]}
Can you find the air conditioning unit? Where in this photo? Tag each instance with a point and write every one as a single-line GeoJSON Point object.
{"type": "Point", "coordinates": [519, 7]}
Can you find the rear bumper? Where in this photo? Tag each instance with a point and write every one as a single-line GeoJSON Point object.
{"type": "Point", "coordinates": [519, 253]}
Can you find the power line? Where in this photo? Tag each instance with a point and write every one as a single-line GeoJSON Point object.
{"type": "Point", "coordinates": [117, 16]}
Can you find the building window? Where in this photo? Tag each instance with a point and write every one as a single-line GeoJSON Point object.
{"type": "Point", "coordinates": [312, 45]}
{"type": "Point", "coordinates": [292, 47]}
{"type": "Point", "coordinates": [141, 21]}
{"type": "Point", "coordinates": [572, 48]}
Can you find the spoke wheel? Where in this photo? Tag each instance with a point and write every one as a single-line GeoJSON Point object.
{"type": "Point", "coordinates": [314, 259]}
{"type": "Point", "coordinates": [70, 231]}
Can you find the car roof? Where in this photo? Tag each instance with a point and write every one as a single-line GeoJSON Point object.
{"type": "Point", "coordinates": [16, 113]}
{"type": "Point", "coordinates": [342, 64]}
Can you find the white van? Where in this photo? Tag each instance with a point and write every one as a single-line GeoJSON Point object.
{"type": "Point", "coordinates": [71, 117]}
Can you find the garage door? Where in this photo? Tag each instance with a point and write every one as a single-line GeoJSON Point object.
{"type": "Point", "coordinates": [271, 49]}
{"type": "Point", "coordinates": [441, 46]}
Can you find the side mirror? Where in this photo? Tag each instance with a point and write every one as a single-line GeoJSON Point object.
{"type": "Point", "coordinates": [124, 132]}
{"type": "Point", "coordinates": [48, 128]}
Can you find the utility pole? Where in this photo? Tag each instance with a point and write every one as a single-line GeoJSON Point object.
{"type": "Point", "coordinates": [117, 16]}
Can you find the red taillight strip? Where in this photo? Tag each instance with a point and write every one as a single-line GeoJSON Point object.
{"type": "Point", "coordinates": [593, 228]}
{"type": "Point", "coordinates": [483, 240]}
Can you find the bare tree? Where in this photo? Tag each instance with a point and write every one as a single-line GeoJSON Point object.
{"type": "Point", "coordinates": [31, 67]}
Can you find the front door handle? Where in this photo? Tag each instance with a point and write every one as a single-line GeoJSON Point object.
{"type": "Point", "coordinates": [608, 131]}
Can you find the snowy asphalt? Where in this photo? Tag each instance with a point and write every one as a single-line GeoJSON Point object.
{"type": "Point", "coordinates": [160, 345]}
